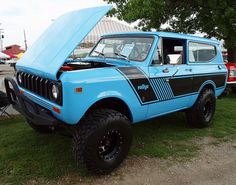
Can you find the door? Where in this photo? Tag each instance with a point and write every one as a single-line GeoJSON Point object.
{"type": "Point", "coordinates": [170, 77]}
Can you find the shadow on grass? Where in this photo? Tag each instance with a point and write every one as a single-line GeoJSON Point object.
{"type": "Point", "coordinates": [27, 155]}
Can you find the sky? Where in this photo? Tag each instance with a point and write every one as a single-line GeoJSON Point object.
{"type": "Point", "coordinates": [34, 16]}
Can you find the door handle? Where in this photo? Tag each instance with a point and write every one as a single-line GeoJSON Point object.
{"type": "Point", "coordinates": [166, 70]}
{"type": "Point", "coordinates": [219, 67]}
{"type": "Point", "coordinates": [190, 70]}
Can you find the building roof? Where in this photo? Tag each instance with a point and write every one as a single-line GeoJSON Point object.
{"type": "Point", "coordinates": [13, 50]}
{"type": "Point", "coordinates": [106, 26]}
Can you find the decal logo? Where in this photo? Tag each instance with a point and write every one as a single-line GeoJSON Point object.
{"type": "Point", "coordinates": [143, 87]}
{"type": "Point", "coordinates": [139, 83]}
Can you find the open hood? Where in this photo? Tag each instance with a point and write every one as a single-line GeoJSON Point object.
{"type": "Point", "coordinates": [49, 52]}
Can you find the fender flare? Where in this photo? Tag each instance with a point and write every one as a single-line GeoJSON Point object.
{"type": "Point", "coordinates": [112, 97]}
{"type": "Point", "coordinates": [207, 83]}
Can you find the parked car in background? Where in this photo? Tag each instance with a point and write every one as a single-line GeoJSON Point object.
{"type": "Point", "coordinates": [231, 82]}
{"type": "Point", "coordinates": [126, 78]}
{"type": "Point", "coordinates": [11, 61]}
{"type": "Point", "coordinates": [2, 62]}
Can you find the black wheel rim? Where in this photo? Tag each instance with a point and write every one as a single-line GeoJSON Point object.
{"type": "Point", "coordinates": [109, 146]}
{"type": "Point", "coordinates": [208, 109]}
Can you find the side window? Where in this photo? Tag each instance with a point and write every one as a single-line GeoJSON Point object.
{"type": "Point", "coordinates": [199, 52]}
{"type": "Point", "coordinates": [170, 51]}
{"type": "Point", "coordinates": [174, 51]}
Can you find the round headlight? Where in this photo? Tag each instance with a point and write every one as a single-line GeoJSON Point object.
{"type": "Point", "coordinates": [55, 91]}
{"type": "Point", "coordinates": [19, 78]}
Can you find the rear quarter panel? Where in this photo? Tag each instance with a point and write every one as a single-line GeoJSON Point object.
{"type": "Point", "coordinates": [212, 72]}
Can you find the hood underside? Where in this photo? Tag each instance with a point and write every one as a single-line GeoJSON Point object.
{"type": "Point", "coordinates": [49, 52]}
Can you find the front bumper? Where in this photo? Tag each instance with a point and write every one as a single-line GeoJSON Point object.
{"type": "Point", "coordinates": [32, 111]}
{"type": "Point", "coordinates": [231, 84]}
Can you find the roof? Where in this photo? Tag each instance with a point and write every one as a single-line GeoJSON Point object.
{"type": "Point", "coordinates": [13, 45]}
{"type": "Point", "coordinates": [167, 34]}
{"type": "Point", "coordinates": [106, 26]}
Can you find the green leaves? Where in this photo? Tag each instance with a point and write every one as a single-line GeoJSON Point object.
{"type": "Point", "coordinates": [213, 17]}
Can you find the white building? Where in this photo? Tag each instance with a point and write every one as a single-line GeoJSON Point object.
{"type": "Point", "coordinates": [106, 26]}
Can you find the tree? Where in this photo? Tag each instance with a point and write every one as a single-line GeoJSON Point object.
{"type": "Point", "coordinates": [215, 18]}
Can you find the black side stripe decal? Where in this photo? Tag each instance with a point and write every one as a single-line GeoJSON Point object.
{"type": "Point", "coordinates": [140, 83]}
{"type": "Point", "coordinates": [152, 90]}
{"type": "Point", "coordinates": [187, 85]}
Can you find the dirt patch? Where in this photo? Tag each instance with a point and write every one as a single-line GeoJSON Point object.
{"type": "Point", "coordinates": [215, 164]}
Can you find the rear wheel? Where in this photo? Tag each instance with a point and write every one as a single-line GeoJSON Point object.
{"type": "Point", "coordinates": [39, 128]}
{"type": "Point", "coordinates": [102, 141]}
{"type": "Point", "coordinates": [201, 114]}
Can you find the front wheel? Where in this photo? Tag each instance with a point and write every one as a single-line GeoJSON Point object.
{"type": "Point", "coordinates": [202, 112]}
{"type": "Point", "coordinates": [102, 141]}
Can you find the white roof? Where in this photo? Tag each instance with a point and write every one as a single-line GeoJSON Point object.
{"type": "Point", "coordinates": [3, 56]}
{"type": "Point", "coordinates": [106, 26]}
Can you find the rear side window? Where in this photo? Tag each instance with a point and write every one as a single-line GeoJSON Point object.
{"type": "Point", "coordinates": [199, 52]}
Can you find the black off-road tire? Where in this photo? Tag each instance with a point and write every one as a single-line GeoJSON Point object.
{"type": "Point", "coordinates": [101, 141]}
{"type": "Point", "coordinates": [202, 112]}
{"type": "Point", "coordinates": [40, 128]}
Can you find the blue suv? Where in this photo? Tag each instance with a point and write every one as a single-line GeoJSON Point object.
{"type": "Point", "coordinates": [126, 78]}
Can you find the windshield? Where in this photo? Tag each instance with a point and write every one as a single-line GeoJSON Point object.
{"type": "Point", "coordinates": [127, 48]}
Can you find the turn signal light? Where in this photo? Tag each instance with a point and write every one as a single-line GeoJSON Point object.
{"type": "Point", "coordinates": [21, 92]}
{"type": "Point", "coordinates": [57, 110]}
{"type": "Point", "coordinates": [79, 89]}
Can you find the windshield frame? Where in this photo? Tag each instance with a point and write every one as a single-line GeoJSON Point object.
{"type": "Point", "coordinates": [123, 36]}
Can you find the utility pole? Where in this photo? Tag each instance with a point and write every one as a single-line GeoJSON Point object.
{"type": "Point", "coordinates": [26, 47]}
{"type": "Point", "coordinates": [1, 38]}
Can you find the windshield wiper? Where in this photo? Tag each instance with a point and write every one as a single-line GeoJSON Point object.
{"type": "Point", "coordinates": [122, 56]}
{"type": "Point", "coordinates": [99, 53]}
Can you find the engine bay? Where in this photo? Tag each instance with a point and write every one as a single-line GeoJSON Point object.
{"type": "Point", "coordinates": [80, 65]}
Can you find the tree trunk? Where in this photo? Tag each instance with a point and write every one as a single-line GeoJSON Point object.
{"type": "Point", "coordinates": [232, 54]}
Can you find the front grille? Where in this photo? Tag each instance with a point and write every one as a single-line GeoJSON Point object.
{"type": "Point", "coordinates": [37, 85]}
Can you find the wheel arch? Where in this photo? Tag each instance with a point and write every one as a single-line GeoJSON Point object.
{"type": "Point", "coordinates": [113, 103]}
{"type": "Point", "coordinates": [207, 84]}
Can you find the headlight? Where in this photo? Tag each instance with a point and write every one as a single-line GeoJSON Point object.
{"type": "Point", "coordinates": [55, 91]}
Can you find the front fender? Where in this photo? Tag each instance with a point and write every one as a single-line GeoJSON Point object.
{"type": "Point", "coordinates": [96, 84]}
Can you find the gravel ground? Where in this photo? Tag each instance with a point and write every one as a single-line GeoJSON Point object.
{"type": "Point", "coordinates": [215, 165]}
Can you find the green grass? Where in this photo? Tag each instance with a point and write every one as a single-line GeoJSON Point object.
{"type": "Point", "coordinates": [170, 136]}
{"type": "Point", "coordinates": [26, 155]}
